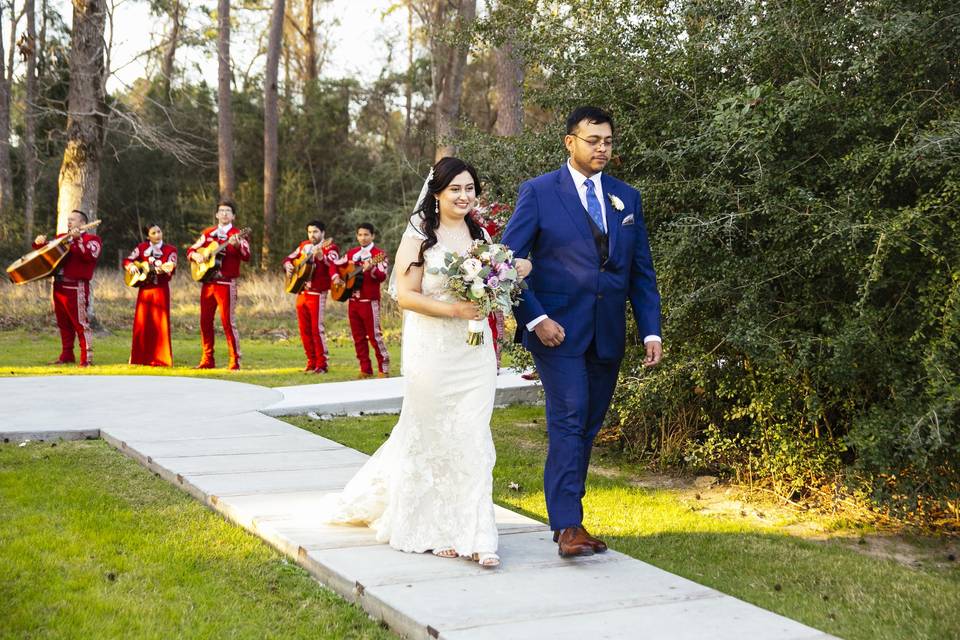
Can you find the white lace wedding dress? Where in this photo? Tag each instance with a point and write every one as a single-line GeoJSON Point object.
{"type": "Point", "coordinates": [429, 486]}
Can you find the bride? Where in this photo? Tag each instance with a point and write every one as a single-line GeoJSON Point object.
{"type": "Point", "coordinates": [429, 487]}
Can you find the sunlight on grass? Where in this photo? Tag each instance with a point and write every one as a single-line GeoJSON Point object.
{"type": "Point", "coordinates": [266, 362]}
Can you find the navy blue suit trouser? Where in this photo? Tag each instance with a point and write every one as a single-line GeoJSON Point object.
{"type": "Point", "coordinates": [578, 391]}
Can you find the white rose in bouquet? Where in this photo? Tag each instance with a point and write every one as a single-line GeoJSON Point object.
{"type": "Point", "coordinates": [471, 269]}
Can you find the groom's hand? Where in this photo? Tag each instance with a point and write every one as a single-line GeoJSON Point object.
{"type": "Point", "coordinates": [550, 333]}
{"type": "Point", "coordinates": [654, 350]}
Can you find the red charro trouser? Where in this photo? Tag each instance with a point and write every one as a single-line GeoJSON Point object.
{"type": "Point", "coordinates": [151, 345]}
{"type": "Point", "coordinates": [70, 299]}
{"type": "Point", "coordinates": [222, 294]}
{"type": "Point", "coordinates": [365, 326]}
{"type": "Point", "coordinates": [310, 309]}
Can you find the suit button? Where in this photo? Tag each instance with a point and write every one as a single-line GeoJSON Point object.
{"type": "Point", "coordinates": [602, 269]}
{"type": "Point", "coordinates": [599, 296]}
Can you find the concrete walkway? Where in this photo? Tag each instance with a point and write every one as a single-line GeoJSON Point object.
{"type": "Point", "coordinates": [217, 443]}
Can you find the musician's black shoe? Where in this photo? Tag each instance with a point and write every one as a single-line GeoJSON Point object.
{"type": "Point", "coordinates": [310, 369]}
{"type": "Point", "coordinates": [320, 370]}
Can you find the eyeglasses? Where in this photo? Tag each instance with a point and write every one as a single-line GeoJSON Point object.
{"type": "Point", "coordinates": [596, 143]}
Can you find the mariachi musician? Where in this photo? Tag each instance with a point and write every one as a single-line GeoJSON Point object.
{"type": "Point", "coordinates": [71, 289]}
{"type": "Point", "coordinates": [156, 261]}
{"type": "Point", "coordinates": [221, 290]}
{"type": "Point", "coordinates": [363, 309]}
{"type": "Point", "coordinates": [312, 299]}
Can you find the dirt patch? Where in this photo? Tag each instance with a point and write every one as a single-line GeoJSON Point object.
{"type": "Point", "coordinates": [701, 495]}
{"type": "Point", "coordinates": [910, 551]}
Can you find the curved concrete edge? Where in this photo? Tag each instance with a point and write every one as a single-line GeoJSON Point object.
{"type": "Point", "coordinates": [380, 395]}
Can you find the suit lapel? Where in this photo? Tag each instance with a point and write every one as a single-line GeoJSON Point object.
{"type": "Point", "coordinates": [571, 202]}
{"type": "Point", "coordinates": [613, 216]}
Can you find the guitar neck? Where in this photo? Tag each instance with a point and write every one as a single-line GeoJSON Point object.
{"type": "Point", "coordinates": [373, 262]}
{"type": "Point", "coordinates": [67, 237]}
{"type": "Point", "coordinates": [226, 243]}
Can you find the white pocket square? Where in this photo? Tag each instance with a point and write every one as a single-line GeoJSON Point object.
{"type": "Point", "coordinates": [627, 220]}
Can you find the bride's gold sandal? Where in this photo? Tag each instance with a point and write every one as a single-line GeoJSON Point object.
{"type": "Point", "coordinates": [486, 560]}
{"type": "Point", "coordinates": [448, 552]}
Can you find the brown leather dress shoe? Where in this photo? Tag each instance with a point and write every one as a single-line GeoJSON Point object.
{"type": "Point", "coordinates": [599, 546]}
{"type": "Point", "coordinates": [573, 542]}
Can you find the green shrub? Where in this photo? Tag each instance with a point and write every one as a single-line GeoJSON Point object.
{"type": "Point", "coordinates": [798, 162]}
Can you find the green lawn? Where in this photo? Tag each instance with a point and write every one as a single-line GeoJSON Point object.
{"type": "Point", "coordinates": [93, 546]}
{"type": "Point", "coordinates": [824, 584]}
{"type": "Point", "coordinates": [267, 361]}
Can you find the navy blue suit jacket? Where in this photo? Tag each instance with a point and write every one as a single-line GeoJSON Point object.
{"type": "Point", "coordinates": [568, 282]}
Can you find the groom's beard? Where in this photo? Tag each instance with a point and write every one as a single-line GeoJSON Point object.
{"type": "Point", "coordinates": [597, 163]}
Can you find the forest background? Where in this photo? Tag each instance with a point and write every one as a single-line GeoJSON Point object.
{"type": "Point", "coordinates": [798, 162]}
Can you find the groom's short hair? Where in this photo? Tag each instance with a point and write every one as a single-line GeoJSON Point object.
{"type": "Point", "coordinates": [593, 115]}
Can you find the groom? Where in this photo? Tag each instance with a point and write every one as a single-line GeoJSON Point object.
{"type": "Point", "coordinates": [584, 232]}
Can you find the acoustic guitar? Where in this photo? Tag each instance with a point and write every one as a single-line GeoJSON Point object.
{"type": "Point", "coordinates": [212, 257]}
{"type": "Point", "coordinates": [351, 278]}
{"type": "Point", "coordinates": [303, 269]}
{"type": "Point", "coordinates": [136, 278]}
{"type": "Point", "coordinates": [42, 262]}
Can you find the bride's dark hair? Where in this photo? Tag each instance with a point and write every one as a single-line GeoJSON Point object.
{"type": "Point", "coordinates": [443, 174]}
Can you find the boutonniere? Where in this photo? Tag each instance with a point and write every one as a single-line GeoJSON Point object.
{"type": "Point", "coordinates": [616, 202]}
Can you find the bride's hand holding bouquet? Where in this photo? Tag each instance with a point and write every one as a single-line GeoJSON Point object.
{"type": "Point", "coordinates": [488, 276]}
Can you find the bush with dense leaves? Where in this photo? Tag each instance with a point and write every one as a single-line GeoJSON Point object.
{"type": "Point", "coordinates": [799, 165]}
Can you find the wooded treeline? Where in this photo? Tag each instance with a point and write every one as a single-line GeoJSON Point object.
{"type": "Point", "coordinates": [798, 162]}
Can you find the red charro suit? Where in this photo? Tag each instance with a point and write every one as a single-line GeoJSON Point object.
{"type": "Point", "coordinates": [312, 301]}
{"type": "Point", "coordinates": [71, 296]}
{"type": "Point", "coordinates": [363, 310]}
{"type": "Point", "coordinates": [151, 344]}
{"type": "Point", "coordinates": [221, 292]}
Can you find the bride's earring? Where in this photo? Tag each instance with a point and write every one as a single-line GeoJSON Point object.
{"type": "Point", "coordinates": [437, 206]}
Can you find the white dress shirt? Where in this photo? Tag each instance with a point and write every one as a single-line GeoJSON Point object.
{"type": "Point", "coordinates": [223, 230]}
{"type": "Point", "coordinates": [365, 253]}
{"type": "Point", "coordinates": [579, 180]}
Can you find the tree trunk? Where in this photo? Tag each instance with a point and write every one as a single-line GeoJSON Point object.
{"type": "Point", "coordinates": [42, 45]}
{"type": "Point", "coordinates": [224, 109]}
{"type": "Point", "coordinates": [449, 66]}
{"type": "Point", "coordinates": [310, 34]}
{"type": "Point", "coordinates": [6, 172]}
{"type": "Point", "coordinates": [79, 182]}
{"type": "Point", "coordinates": [170, 50]}
{"type": "Point", "coordinates": [271, 177]}
{"type": "Point", "coordinates": [408, 89]}
{"type": "Point", "coordinates": [30, 123]}
{"type": "Point", "coordinates": [509, 86]}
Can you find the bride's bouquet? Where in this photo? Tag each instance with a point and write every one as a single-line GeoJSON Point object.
{"type": "Point", "coordinates": [485, 274]}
